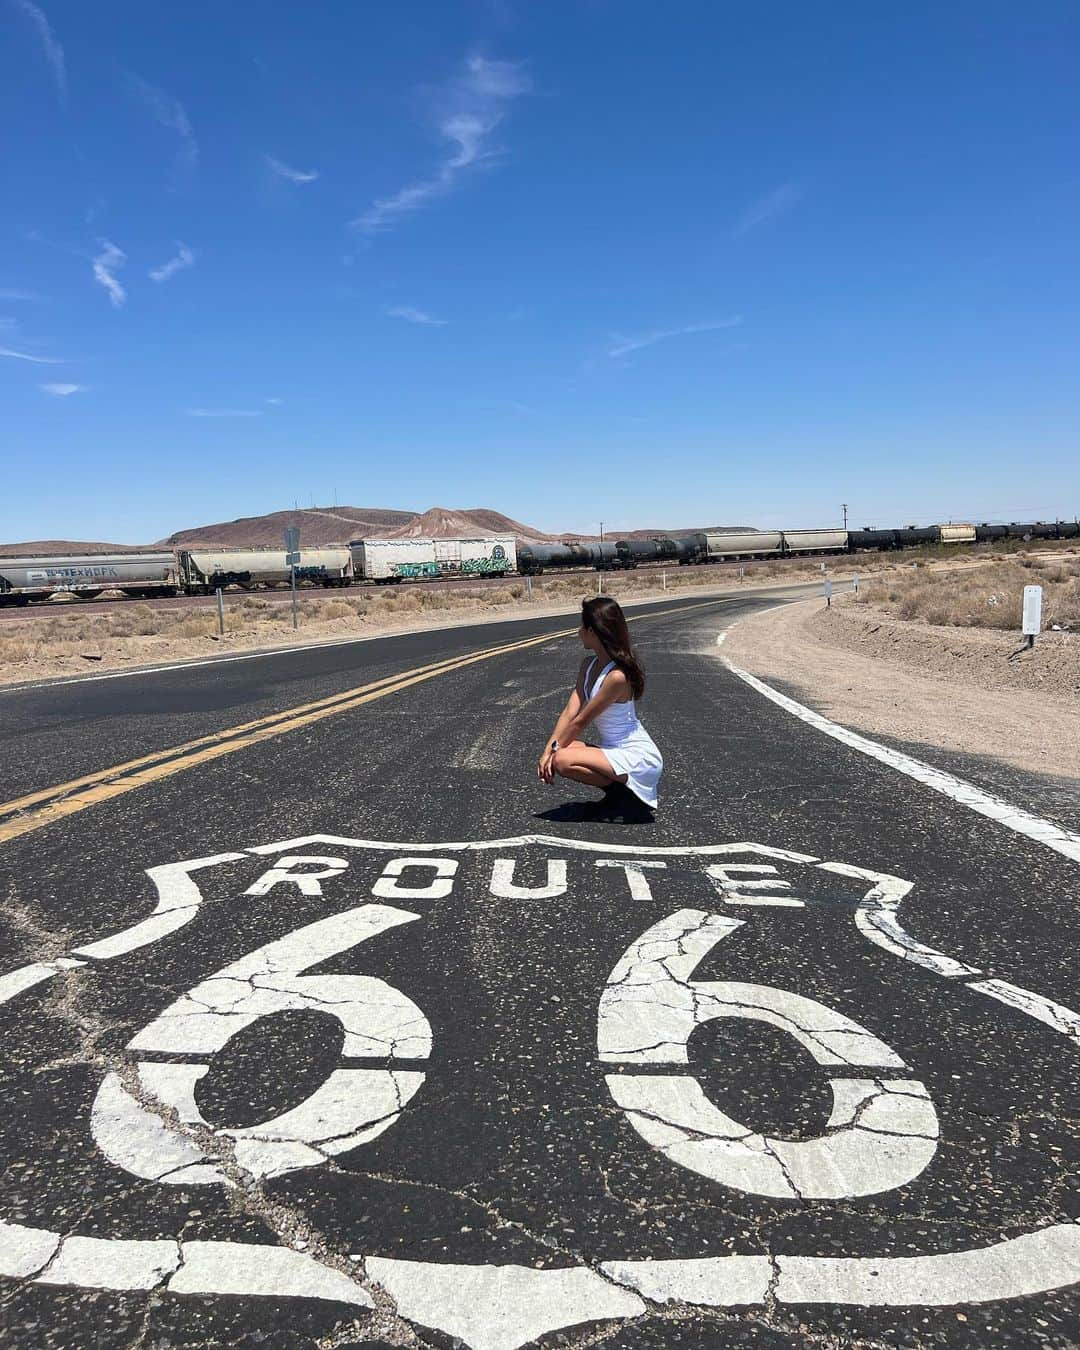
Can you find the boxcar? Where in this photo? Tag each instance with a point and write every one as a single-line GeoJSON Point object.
{"type": "Point", "coordinates": [393, 560]}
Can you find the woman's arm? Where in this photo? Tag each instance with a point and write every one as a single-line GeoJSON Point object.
{"type": "Point", "coordinates": [558, 736]}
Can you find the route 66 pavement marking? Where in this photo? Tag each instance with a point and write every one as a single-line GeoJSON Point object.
{"type": "Point", "coordinates": [885, 1131]}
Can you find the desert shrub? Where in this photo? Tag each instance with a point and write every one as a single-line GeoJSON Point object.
{"type": "Point", "coordinates": [196, 625]}
{"type": "Point", "coordinates": [982, 597]}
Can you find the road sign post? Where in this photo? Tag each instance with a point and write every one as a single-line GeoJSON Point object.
{"type": "Point", "coordinates": [1031, 625]}
{"type": "Point", "coordinates": [292, 557]}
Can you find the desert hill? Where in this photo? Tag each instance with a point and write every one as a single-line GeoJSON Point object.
{"type": "Point", "coordinates": [321, 525]}
{"type": "Point", "coordinates": [317, 525]}
{"type": "Point", "coordinates": [439, 523]}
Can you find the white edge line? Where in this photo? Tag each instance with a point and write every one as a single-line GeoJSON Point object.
{"type": "Point", "coordinates": [967, 794]}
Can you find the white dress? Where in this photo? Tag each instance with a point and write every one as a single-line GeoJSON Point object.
{"type": "Point", "coordinates": [628, 746]}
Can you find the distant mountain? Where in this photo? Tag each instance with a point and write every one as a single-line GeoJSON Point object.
{"type": "Point", "coordinates": [321, 525]}
{"type": "Point", "coordinates": [317, 524]}
{"type": "Point", "coordinates": [439, 523]}
{"type": "Point", "coordinates": [39, 547]}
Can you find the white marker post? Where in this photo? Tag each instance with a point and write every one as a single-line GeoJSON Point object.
{"type": "Point", "coordinates": [855, 582]}
{"type": "Point", "coordinates": [663, 578]}
{"type": "Point", "coordinates": [1032, 621]}
{"type": "Point", "coordinates": [528, 586]}
{"type": "Point", "coordinates": [828, 592]}
{"type": "Point", "coordinates": [292, 557]}
{"type": "Point", "coordinates": [220, 612]}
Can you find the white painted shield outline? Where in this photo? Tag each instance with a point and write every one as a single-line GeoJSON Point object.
{"type": "Point", "coordinates": [502, 1307]}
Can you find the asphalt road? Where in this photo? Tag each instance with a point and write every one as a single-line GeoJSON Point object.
{"type": "Point", "coordinates": [790, 1064]}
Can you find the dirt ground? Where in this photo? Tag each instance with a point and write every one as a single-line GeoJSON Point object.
{"type": "Point", "coordinates": [953, 688]}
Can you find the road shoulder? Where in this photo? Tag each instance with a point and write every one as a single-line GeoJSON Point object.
{"type": "Point", "coordinates": [946, 705]}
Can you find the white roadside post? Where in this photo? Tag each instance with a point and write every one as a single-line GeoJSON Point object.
{"type": "Point", "coordinates": [828, 593]}
{"type": "Point", "coordinates": [528, 586]}
{"type": "Point", "coordinates": [220, 612]}
{"type": "Point", "coordinates": [292, 557]}
{"type": "Point", "coordinates": [855, 582]}
{"type": "Point", "coordinates": [663, 578]}
{"type": "Point", "coordinates": [1032, 621]}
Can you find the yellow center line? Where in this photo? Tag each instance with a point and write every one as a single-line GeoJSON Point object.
{"type": "Point", "coordinates": [66, 799]}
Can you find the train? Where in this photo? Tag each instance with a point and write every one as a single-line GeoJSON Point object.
{"type": "Point", "coordinates": [201, 571]}
{"type": "Point", "coordinates": [736, 546]}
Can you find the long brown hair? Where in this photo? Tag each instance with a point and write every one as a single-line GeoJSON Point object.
{"type": "Point", "coordinates": [603, 616]}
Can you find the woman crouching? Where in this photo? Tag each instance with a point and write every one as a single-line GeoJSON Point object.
{"type": "Point", "coordinates": [609, 684]}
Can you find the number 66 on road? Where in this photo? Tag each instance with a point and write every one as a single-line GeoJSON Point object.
{"type": "Point", "coordinates": [883, 1131]}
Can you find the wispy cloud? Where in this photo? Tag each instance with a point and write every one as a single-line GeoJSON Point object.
{"type": "Point", "coordinates": [29, 356]}
{"type": "Point", "coordinates": [467, 112]}
{"type": "Point", "coordinates": [273, 401]}
{"type": "Point", "coordinates": [172, 115]}
{"type": "Point", "coordinates": [54, 53]}
{"type": "Point", "coordinates": [63, 390]}
{"type": "Point", "coordinates": [773, 204]}
{"type": "Point", "coordinates": [224, 412]}
{"type": "Point", "coordinates": [184, 258]}
{"type": "Point", "coordinates": [284, 170]}
{"type": "Point", "coordinates": [105, 266]}
{"type": "Point", "coordinates": [621, 345]}
{"type": "Point", "coordinates": [411, 315]}
{"type": "Point", "coordinates": [14, 295]}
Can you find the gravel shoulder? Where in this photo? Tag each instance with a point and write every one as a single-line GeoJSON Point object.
{"type": "Point", "coordinates": [944, 688]}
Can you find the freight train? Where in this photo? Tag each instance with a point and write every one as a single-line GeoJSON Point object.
{"type": "Point", "coordinates": [623, 554]}
{"type": "Point", "coordinates": [196, 571]}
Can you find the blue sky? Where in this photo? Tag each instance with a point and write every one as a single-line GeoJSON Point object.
{"type": "Point", "coordinates": [581, 260]}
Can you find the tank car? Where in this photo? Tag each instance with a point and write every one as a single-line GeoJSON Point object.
{"type": "Point", "coordinates": [869, 538]}
{"type": "Point", "coordinates": [687, 549]}
{"type": "Point", "coordinates": [956, 534]}
{"type": "Point", "coordinates": [533, 559]}
{"type": "Point", "coordinates": [911, 535]}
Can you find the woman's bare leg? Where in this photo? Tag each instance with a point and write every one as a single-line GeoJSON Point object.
{"type": "Point", "coordinates": [586, 764]}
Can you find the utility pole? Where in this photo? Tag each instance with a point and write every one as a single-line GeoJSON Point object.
{"type": "Point", "coordinates": [844, 508]}
{"type": "Point", "coordinates": [601, 531]}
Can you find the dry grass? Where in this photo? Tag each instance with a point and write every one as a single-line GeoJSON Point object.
{"type": "Point", "coordinates": [990, 596]}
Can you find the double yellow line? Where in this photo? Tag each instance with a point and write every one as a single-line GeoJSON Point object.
{"type": "Point", "coordinates": [37, 809]}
